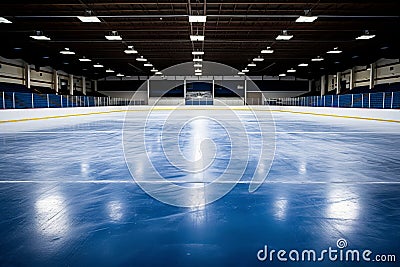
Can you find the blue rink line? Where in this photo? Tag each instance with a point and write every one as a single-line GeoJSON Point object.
{"type": "Point", "coordinates": [340, 183]}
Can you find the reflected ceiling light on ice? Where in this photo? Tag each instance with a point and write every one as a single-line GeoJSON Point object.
{"type": "Point", "coordinates": [280, 208]}
{"type": "Point", "coordinates": [52, 216]}
{"type": "Point", "coordinates": [197, 19]}
{"type": "Point", "coordinates": [343, 206]}
{"type": "Point", "coordinates": [115, 211]}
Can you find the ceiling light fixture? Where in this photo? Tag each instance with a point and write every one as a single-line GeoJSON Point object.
{"type": "Point", "coordinates": [334, 51]}
{"type": "Point", "coordinates": [197, 53]}
{"type": "Point", "coordinates": [130, 50]}
{"type": "Point", "coordinates": [148, 65]}
{"type": "Point", "coordinates": [240, 73]}
{"type": "Point", "coordinates": [153, 70]}
{"type": "Point", "coordinates": [120, 75]}
{"type": "Point", "coordinates": [98, 65]}
{"type": "Point", "coordinates": [365, 36]}
{"type": "Point", "coordinates": [197, 18]}
{"type": "Point", "coordinates": [307, 18]}
{"type": "Point", "coordinates": [141, 59]}
{"type": "Point", "coordinates": [197, 59]}
{"type": "Point", "coordinates": [291, 70]}
{"type": "Point", "coordinates": [282, 75]}
{"type": "Point", "coordinates": [267, 51]}
{"type": "Point", "coordinates": [66, 51]}
{"type": "Point", "coordinates": [197, 70]}
{"type": "Point", "coordinates": [258, 59]}
{"type": "Point", "coordinates": [198, 74]}
{"type": "Point", "coordinates": [284, 36]}
{"type": "Point", "coordinates": [83, 59]}
{"type": "Point", "coordinates": [252, 64]}
{"type": "Point", "coordinates": [110, 71]}
{"type": "Point", "coordinates": [194, 38]}
{"type": "Point", "coordinates": [245, 70]}
{"type": "Point", "coordinates": [113, 36]}
{"type": "Point", "coordinates": [40, 36]}
{"type": "Point", "coordinates": [197, 65]}
{"type": "Point", "coordinates": [317, 59]}
{"type": "Point", "coordinates": [303, 65]}
{"type": "Point", "coordinates": [158, 73]}
{"type": "Point", "coordinates": [4, 20]}
{"type": "Point", "coordinates": [89, 19]}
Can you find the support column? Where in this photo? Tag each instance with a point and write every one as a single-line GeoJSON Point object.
{"type": "Point", "coordinates": [213, 88]}
{"type": "Point", "coordinates": [71, 84]}
{"type": "Point", "coordinates": [55, 81]}
{"type": "Point", "coordinates": [148, 91]}
{"type": "Point", "coordinates": [95, 85]}
{"type": "Point", "coordinates": [84, 85]}
{"type": "Point", "coordinates": [27, 79]}
{"type": "Point", "coordinates": [338, 79]}
{"type": "Point", "coordinates": [310, 85]}
{"type": "Point", "coordinates": [184, 88]}
{"type": "Point", "coordinates": [323, 85]}
{"type": "Point", "coordinates": [351, 78]}
{"type": "Point", "coordinates": [372, 76]}
{"type": "Point", "coordinates": [245, 90]}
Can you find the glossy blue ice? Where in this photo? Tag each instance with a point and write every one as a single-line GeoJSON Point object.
{"type": "Point", "coordinates": [67, 198]}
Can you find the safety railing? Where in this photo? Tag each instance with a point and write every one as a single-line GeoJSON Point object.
{"type": "Point", "coordinates": [383, 100]}
{"type": "Point", "coordinates": [199, 101]}
{"type": "Point", "coordinates": [14, 100]}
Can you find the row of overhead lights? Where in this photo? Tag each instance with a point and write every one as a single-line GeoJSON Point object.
{"type": "Point", "coordinates": [284, 36]}
{"type": "Point", "coordinates": [112, 36]}
{"type": "Point", "coordinates": [197, 54]}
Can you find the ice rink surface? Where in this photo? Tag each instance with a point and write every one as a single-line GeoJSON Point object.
{"type": "Point", "coordinates": [67, 197]}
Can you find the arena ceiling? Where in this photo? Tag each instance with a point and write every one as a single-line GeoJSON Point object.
{"type": "Point", "coordinates": [234, 33]}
